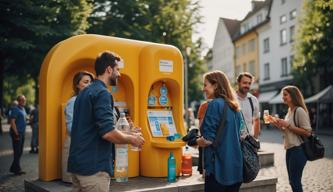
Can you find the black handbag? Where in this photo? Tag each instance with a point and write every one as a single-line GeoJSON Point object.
{"type": "Point", "coordinates": [312, 146]}
{"type": "Point", "coordinates": [249, 147]}
{"type": "Point", "coordinates": [251, 163]}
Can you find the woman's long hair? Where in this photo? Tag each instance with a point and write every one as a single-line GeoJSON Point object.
{"type": "Point", "coordinates": [77, 78]}
{"type": "Point", "coordinates": [296, 96]}
{"type": "Point", "coordinates": [223, 88]}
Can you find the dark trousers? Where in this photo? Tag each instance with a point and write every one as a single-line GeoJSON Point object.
{"type": "Point", "coordinates": [295, 161]}
{"type": "Point", "coordinates": [211, 185]}
{"type": "Point", "coordinates": [18, 150]}
{"type": "Point", "coordinates": [34, 137]}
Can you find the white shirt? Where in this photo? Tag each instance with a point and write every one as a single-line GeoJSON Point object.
{"type": "Point", "coordinates": [247, 110]}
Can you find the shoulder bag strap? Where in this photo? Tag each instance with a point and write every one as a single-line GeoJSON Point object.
{"type": "Point", "coordinates": [220, 130]}
{"type": "Point", "coordinates": [251, 103]}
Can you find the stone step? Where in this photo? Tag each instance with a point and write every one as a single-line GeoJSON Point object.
{"type": "Point", "coordinates": [193, 183]}
{"type": "Point", "coordinates": [266, 158]}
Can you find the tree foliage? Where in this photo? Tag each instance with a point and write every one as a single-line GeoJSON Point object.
{"type": "Point", "coordinates": [313, 61]}
{"type": "Point", "coordinates": [169, 22]}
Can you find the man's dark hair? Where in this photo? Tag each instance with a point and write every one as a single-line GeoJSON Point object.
{"type": "Point", "coordinates": [104, 60]}
{"type": "Point", "coordinates": [246, 74]}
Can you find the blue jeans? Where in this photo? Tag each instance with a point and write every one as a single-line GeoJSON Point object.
{"type": "Point", "coordinates": [295, 160]}
{"type": "Point", "coordinates": [18, 144]}
{"type": "Point", "coordinates": [34, 138]}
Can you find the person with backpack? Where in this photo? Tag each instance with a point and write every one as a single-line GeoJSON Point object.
{"type": "Point", "coordinates": [248, 103]}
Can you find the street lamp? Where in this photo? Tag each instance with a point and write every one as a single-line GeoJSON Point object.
{"type": "Point", "coordinates": [187, 54]}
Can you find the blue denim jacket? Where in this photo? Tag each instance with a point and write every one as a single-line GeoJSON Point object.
{"type": "Point", "coordinates": [89, 152]}
{"type": "Point", "coordinates": [228, 168]}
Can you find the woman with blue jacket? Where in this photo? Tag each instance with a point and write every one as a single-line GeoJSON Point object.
{"type": "Point", "coordinates": [223, 164]}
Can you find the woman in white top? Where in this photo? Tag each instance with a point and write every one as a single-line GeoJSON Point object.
{"type": "Point", "coordinates": [293, 130]}
{"type": "Point", "coordinates": [81, 80]}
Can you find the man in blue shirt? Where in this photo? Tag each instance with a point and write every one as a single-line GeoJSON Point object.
{"type": "Point", "coordinates": [17, 132]}
{"type": "Point", "coordinates": [93, 129]}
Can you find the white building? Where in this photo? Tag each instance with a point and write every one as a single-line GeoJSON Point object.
{"type": "Point", "coordinates": [223, 48]}
{"type": "Point", "coordinates": [276, 40]}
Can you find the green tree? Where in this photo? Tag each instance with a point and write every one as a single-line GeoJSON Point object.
{"type": "Point", "coordinates": [29, 28]}
{"type": "Point", "coordinates": [313, 65]}
{"type": "Point", "coordinates": [169, 22]}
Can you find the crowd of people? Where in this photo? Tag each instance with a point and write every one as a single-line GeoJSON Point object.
{"type": "Point", "coordinates": [90, 122]}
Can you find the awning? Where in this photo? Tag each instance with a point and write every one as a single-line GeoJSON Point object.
{"type": "Point", "coordinates": [277, 99]}
{"type": "Point", "coordinates": [265, 97]}
{"type": "Point", "coordinates": [325, 94]}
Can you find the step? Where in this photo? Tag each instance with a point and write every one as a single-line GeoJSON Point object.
{"type": "Point", "coordinates": [266, 158]}
{"type": "Point", "coordinates": [146, 184]}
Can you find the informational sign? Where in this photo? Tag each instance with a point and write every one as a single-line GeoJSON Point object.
{"type": "Point", "coordinates": [151, 101]}
{"type": "Point", "coordinates": [161, 119]}
{"type": "Point", "coordinates": [166, 66]}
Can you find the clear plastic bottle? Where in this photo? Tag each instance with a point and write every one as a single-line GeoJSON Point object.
{"type": "Point", "coordinates": [171, 168]}
{"type": "Point", "coordinates": [121, 168]}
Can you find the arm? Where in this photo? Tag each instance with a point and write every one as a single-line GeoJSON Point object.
{"type": "Point", "coordinates": [13, 126]}
{"type": "Point", "coordinates": [119, 137]}
{"type": "Point", "coordinates": [256, 119]}
{"type": "Point", "coordinates": [256, 128]}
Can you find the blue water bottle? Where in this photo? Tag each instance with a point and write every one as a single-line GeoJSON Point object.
{"type": "Point", "coordinates": [171, 168]}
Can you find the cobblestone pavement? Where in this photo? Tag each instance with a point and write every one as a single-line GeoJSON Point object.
{"type": "Point", "coordinates": [317, 176]}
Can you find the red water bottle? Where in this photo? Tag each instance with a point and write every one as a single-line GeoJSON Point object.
{"type": "Point", "coordinates": [187, 162]}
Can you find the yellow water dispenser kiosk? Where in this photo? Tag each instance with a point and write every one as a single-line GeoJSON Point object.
{"type": "Point", "coordinates": [161, 108]}
{"type": "Point", "coordinates": [61, 63]}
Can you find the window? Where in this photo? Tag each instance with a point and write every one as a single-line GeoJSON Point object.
{"type": "Point", "coordinates": [244, 67]}
{"type": "Point", "coordinates": [252, 67]}
{"type": "Point", "coordinates": [243, 49]}
{"type": "Point", "coordinates": [266, 71]}
{"type": "Point", "coordinates": [238, 70]}
{"type": "Point", "coordinates": [266, 45]}
{"type": "Point", "coordinates": [292, 33]}
{"type": "Point", "coordinates": [283, 19]}
{"type": "Point", "coordinates": [251, 45]}
{"type": "Point", "coordinates": [292, 14]}
{"type": "Point", "coordinates": [283, 36]}
{"type": "Point", "coordinates": [291, 61]}
{"type": "Point", "coordinates": [238, 52]}
{"type": "Point", "coordinates": [259, 18]}
{"type": "Point", "coordinates": [284, 67]}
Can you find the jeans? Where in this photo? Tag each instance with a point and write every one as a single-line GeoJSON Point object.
{"type": "Point", "coordinates": [211, 185]}
{"type": "Point", "coordinates": [295, 161]}
{"type": "Point", "coordinates": [34, 138]}
{"type": "Point", "coordinates": [18, 150]}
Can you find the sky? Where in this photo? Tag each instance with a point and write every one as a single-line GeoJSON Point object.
{"type": "Point", "coordinates": [212, 10]}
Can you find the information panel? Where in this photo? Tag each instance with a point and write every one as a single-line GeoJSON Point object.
{"type": "Point", "coordinates": [161, 123]}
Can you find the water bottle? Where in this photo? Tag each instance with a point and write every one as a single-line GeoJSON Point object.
{"type": "Point", "coordinates": [171, 168]}
{"type": "Point", "coordinates": [121, 170]}
{"type": "Point", "coordinates": [187, 162]}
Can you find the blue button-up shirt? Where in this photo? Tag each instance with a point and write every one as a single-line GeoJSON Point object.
{"type": "Point", "coordinates": [69, 110]}
{"type": "Point", "coordinates": [18, 113]}
{"type": "Point", "coordinates": [228, 165]}
{"type": "Point", "coordinates": [89, 152]}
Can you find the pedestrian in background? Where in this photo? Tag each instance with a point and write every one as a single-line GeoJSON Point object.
{"type": "Point", "coordinates": [248, 103]}
{"type": "Point", "coordinates": [295, 156]}
{"type": "Point", "coordinates": [34, 126]}
{"type": "Point", "coordinates": [93, 129]}
{"type": "Point", "coordinates": [224, 164]}
{"type": "Point", "coordinates": [80, 80]}
{"type": "Point", "coordinates": [18, 118]}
